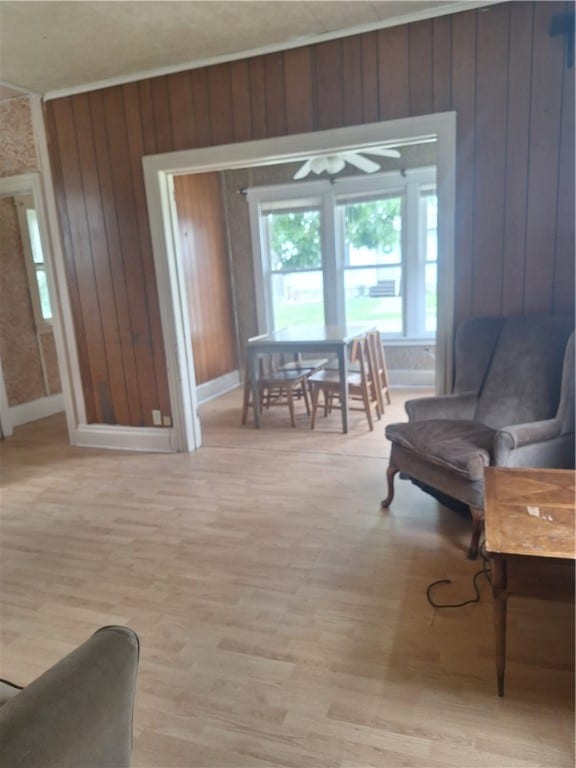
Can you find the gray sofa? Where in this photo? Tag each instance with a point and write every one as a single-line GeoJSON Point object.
{"type": "Point", "coordinates": [78, 714]}
{"type": "Point", "coordinates": [512, 406]}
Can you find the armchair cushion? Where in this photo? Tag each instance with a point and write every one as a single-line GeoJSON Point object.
{"type": "Point", "coordinates": [461, 446]}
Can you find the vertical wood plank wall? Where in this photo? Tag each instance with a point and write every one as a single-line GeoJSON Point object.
{"type": "Point", "coordinates": [201, 226]}
{"type": "Point", "coordinates": [497, 67]}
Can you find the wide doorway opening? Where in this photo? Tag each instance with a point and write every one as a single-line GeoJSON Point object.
{"type": "Point", "coordinates": [336, 246]}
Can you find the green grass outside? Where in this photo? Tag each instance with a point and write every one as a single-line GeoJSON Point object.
{"type": "Point", "coordinates": [358, 310]}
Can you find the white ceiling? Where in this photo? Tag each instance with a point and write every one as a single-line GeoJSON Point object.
{"type": "Point", "coordinates": [52, 46]}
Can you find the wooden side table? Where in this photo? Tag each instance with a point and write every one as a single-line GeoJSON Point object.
{"type": "Point", "coordinates": [530, 517]}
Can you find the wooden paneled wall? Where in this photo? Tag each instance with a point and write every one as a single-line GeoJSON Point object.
{"type": "Point", "coordinates": [497, 67]}
{"type": "Point", "coordinates": [202, 229]}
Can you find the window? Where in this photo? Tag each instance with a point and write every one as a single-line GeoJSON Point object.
{"type": "Point", "coordinates": [429, 248]}
{"type": "Point", "coordinates": [295, 260]}
{"type": "Point", "coordinates": [372, 237]}
{"type": "Point", "coordinates": [353, 250]}
{"type": "Point", "coordinates": [35, 264]}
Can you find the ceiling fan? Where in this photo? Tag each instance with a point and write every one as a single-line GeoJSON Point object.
{"type": "Point", "coordinates": [334, 162]}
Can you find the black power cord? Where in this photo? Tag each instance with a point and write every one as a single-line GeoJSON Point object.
{"type": "Point", "coordinates": [484, 571]}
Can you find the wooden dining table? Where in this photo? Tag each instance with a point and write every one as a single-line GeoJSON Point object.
{"type": "Point", "coordinates": [302, 339]}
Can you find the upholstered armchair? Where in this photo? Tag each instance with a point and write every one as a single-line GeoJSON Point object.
{"type": "Point", "coordinates": [512, 406]}
{"type": "Point", "coordinates": [78, 714]}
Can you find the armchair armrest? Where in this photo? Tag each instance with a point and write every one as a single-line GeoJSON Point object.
{"type": "Point", "coordinates": [460, 406]}
{"type": "Point", "coordinates": [79, 712]}
{"type": "Point", "coordinates": [534, 444]}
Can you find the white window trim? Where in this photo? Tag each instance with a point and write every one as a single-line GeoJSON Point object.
{"type": "Point", "coordinates": [23, 203]}
{"type": "Point", "coordinates": [324, 194]}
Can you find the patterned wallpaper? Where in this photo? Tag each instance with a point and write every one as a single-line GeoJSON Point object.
{"type": "Point", "coordinates": [19, 343]}
{"type": "Point", "coordinates": [17, 147]}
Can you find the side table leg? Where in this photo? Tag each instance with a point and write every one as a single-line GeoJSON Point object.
{"type": "Point", "coordinates": [500, 606]}
{"type": "Point", "coordinates": [253, 369]}
{"type": "Point", "coordinates": [343, 373]}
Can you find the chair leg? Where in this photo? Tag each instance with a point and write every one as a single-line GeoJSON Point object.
{"type": "Point", "coordinates": [290, 399]}
{"type": "Point", "coordinates": [384, 373]}
{"type": "Point", "coordinates": [374, 371]}
{"type": "Point", "coordinates": [315, 395]}
{"type": "Point", "coordinates": [477, 528]}
{"type": "Point", "coordinates": [388, 398]}
{"type": "Point", "coordinates": [327, 402]}
{"type": "Point", "coordinates": [304, 390]}
{"type": "Point", "coordinates": [246, 400]}
{"type": "Point", "coordinates": [367, 405]}
{"type": "Point", "coordinates": [391, 472]}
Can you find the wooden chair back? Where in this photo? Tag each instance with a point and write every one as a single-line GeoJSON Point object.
{"type": "Point", "coordinates": [379, 373]}
{"type": "Point", "coordinates": [360, 383]}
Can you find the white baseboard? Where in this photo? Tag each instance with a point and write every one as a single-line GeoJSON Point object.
{"type": "Point", "coordinates": [411, 378]}
{"type": "Point", "coordinates": [36, 409]}
{"type": "Point", "coordinates": [211, 389]}
{"type": "Point", "coordinates": [151, 439]}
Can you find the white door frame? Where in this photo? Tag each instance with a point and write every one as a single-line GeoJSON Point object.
{"type": "Point", "coordinates": [31, 183]}
{"type": "Point", "coordinates": [158, 173]}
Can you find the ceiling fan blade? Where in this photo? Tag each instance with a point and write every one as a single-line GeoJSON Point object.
{"type": "Point", "coordinates": [360, 162]}
{"type": "Point", "coordinates": [304, 170]}
{"type": "Point", "coordinates": [381, 152]}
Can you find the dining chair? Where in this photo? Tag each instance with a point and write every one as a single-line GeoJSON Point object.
{"type": "Point", "coordinates": [308, 365]}
{"type": "Point", "coordinates": [373, 368]}
{"type": "Point", "coordinates": [276, 387]}
{"type": "Point", "coordinates": [358, 381]}
{"type": "Point", "coordinates": [380, 370]}
{"type": "Point", "coordinates": [303, 364]}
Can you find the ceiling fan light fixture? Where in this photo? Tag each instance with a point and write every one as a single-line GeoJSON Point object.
{"type": "Point", "coordinates": [318, 164]}
{"type": "Point", "coordinates": [334, 164]}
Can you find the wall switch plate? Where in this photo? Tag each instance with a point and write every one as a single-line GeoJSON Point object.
{"type": "Point", "coordinates": [157, 418]}
{"type": "Point", "coordinates": [167, 421]}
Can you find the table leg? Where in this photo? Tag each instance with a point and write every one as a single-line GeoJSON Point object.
{"type": "Point", "coordinates": [500, 605]}
{"type": "Point", "coordinates": [253, 369]}
{"type": "Point", "coordinates": [343, 373]}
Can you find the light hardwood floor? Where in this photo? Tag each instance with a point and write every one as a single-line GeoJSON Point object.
{"type": "Point", "coordinates": [282, 616]}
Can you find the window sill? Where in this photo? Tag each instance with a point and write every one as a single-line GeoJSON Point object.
{"type": "Point", "coordinates": [405, 342]}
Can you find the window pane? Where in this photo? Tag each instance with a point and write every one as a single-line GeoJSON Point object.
{"type": "Point", "coordinates": [34, 232]}
{"type": "Point", "coordinates": [373, 232]}
{"type": "Point", "coordinates": [431, 298]}
{"type": "Point", "coordinates": [297, 299]}
{"type": "Point", "coordinates": [294, 240]}
{"type": "Point", "coordinates": [44, 295]}
{"type": "Point", "coordinates": [373, 297]}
